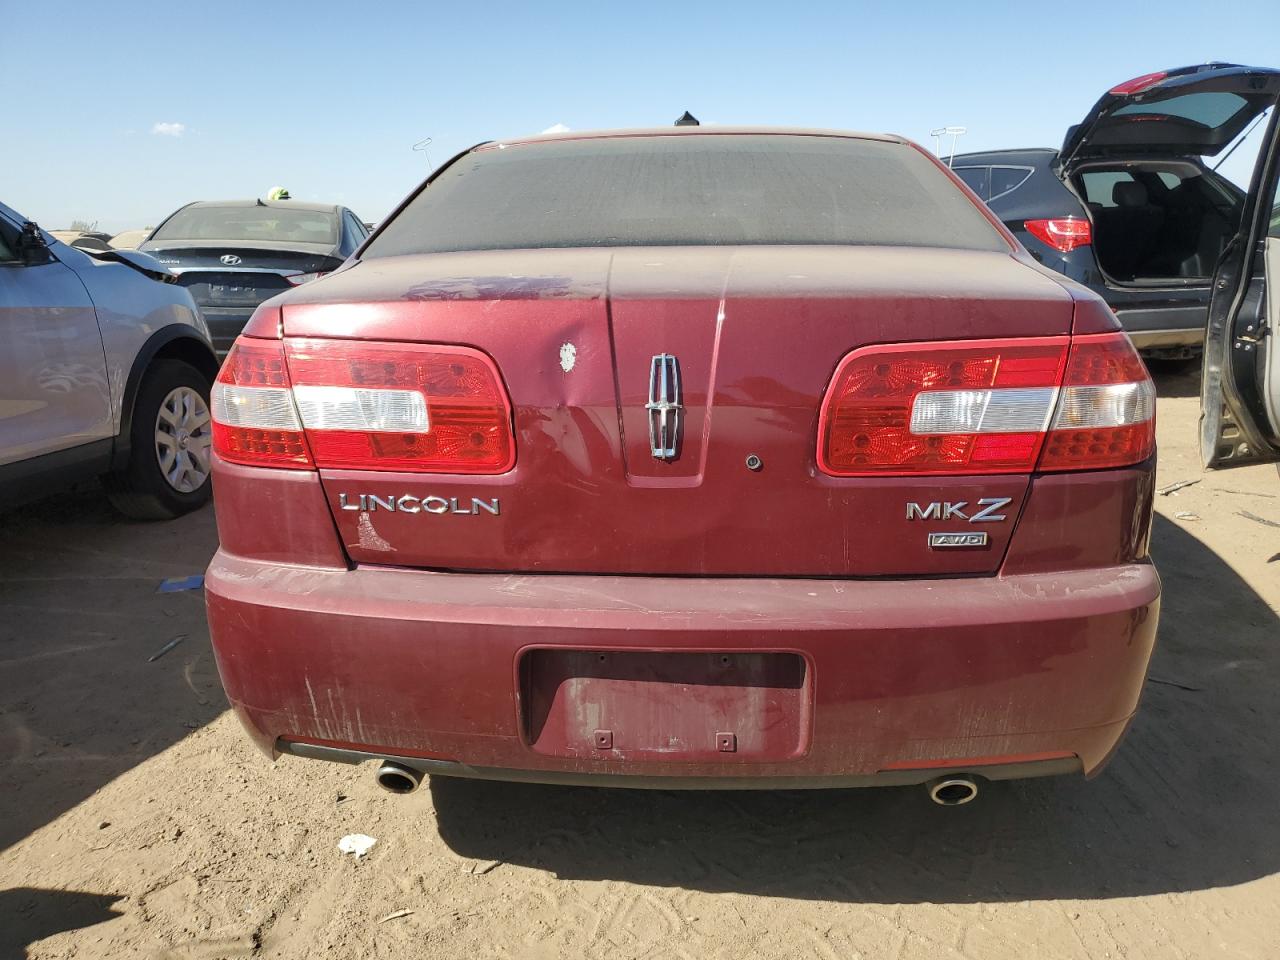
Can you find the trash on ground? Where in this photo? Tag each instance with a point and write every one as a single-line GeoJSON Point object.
{"type": "Point", "coordinates": [357, 843]}
{"type": "Point", "coordinates": [1257, 519]}
{"type": "Point", "coordinates": [1175, 683]}
{"type": "Point", "coordinates": [395, 916]}
{"type": "Point", "coordinates": [1186, 515]}
{"type": "Point", "coordinates": [175, 584]}
{"type": "Point", "coordinates": [1165, 491]}
{"type": "Point", "coordinates": [166, 648]}
{"type": "Point", "coordinates": [480, 869]}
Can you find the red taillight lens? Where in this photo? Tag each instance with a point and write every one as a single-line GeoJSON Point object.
{"type": "Point", "coordinates": [987, 407]}
{"type": "Point", "coordinates": [254, 419]}
{"type": "Point", "coordinates": [402, 406]}
{"type": "Point", "coordinates": [1065, 234]}
{"type": "Point", "coordinates": [1137, 84]}
{"type": "Point", "coordinates": [364, 406]}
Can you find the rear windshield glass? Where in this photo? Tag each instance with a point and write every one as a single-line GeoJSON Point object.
{"type": "Point", "coordinates": [694, 190]}
{"type": "Point", "coordinates": [1208, 108]}
{"type": "Point", "coordinates": [250, 223]}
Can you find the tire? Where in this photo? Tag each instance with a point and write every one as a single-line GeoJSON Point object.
{"type": "Point", "coordinates": [166, 478]}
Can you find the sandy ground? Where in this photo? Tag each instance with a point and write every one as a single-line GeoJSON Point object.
{"type": "Point", "coordinates": [137, 821]}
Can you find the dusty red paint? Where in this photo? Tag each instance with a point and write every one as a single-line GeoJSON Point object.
{"type": "Point", "coordinates": [360, 630]}
{"type": "Point", "coordinates": [427, 664]}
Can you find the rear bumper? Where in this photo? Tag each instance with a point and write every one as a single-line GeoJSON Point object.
{"type": "Point", "coordinates": [225, 324]}
{"type": "Point", "coordinates": [898, 681]}
{"type": "Point", "coordinates": [1174, 326]}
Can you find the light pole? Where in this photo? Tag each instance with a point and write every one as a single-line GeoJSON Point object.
{"type": "Point", "coordinates": [421, 147]}
{"type": "Point", "coordinates": [955, 133]}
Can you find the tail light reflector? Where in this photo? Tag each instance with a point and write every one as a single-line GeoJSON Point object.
{"type": "Point", "coordinates": [993, 406]}
{"type": "Point", "coordinates": [358, 405]}
{"type": "Point", "coordinates": [1064, 234]}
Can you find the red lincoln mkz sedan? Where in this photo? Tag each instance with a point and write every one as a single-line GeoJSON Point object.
{"type": "Point", "coordinates": [687, 458]}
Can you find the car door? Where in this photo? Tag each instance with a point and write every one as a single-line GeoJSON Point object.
{"type": "Point", "coordinates": [1240, 384]}
{"type": "Point", "coordinates": [53, 379]}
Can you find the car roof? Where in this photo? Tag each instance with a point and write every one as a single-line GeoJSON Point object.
{"type": "Point", "coordinates": [700, 131]}
{"type": "Point", "coordinates": [284, 204]}
{"type": "Point", "coordinates": [1023, 153]}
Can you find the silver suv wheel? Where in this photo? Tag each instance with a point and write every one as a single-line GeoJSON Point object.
{"type": "Point", "coordinates": [183, 439]}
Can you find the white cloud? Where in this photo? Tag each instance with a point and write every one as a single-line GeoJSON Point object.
{"type": "Point", "coordinates": [556, 128]}
{"type": "Point", "coordinates": [167, 129]}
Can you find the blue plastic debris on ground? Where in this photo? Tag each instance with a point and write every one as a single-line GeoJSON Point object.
{"type": "Point", "coordinates": [174, 584]}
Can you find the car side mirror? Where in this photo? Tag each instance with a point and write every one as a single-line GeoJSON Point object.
{"type": "Point", "coordinates": [32, 249]}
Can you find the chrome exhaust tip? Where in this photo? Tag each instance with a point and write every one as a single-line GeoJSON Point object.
{"type": "Point", "coordinates": [953, 791]}
{"type": "Point", "coordinates": [397, 778]}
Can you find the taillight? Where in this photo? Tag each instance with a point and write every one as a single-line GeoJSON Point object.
{"type": "Point", "coordinates": [401, 406]}
{"type": "Point", "coordinates": [298, 279]}
{"type": "Point", "coordinates": [254, 419]}
{"type": "Point", "coordinates": [1107, 408]}
{"type": "Point", "coordinates": [1063, 234]}
{"type": "Point", "coordinates": [987, 406]}
{"type": "Point", "coordinates": [364, 406]}
{"type": "Point", "coordinates": [1137, 84]}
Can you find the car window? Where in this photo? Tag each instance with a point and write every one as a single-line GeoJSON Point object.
{"type": "Point", "coordinates": [691, 190]}
{"type": "Point", "coordinates": [1209, 109]}
{"type": "Point", "coordinates": [977, 179]}
{"type": "Point", "coordinates": [356, 228]}
{"type": "Point", "coordinates": [6, 252]}
{"type": "Point", "coordinates": [273, 223]}
{"type": "Point", "coordinates": [1005, 180]}
{"type": "Point", "coordinates": [1099, 185]}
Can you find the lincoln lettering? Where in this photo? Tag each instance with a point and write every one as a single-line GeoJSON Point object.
{"type": "Point", "coordinates": [408, 503]}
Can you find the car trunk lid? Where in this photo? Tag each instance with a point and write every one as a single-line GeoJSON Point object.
{"type": "Point", "coordinates": [757, 333]}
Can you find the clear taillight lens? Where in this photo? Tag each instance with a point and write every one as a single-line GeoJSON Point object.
{"type": "Point", "coordinates": [308, 403]}
{"type": "Point", "coordinates": [995, 406]}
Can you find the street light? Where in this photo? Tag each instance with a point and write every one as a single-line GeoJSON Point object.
{"type": "Point", "coordinates": [955, 133]}
{"type": "Point", "coordinates": [421, 147]}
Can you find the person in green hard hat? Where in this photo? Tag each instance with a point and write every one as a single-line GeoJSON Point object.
{"type": "Point", "coordinates": [278, 193]}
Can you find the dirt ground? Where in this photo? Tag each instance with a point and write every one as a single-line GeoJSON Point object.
{"type": "Point", "coordinates": [137, 821]}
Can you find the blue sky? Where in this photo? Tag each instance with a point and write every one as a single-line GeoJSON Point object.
{"type": "Point", "coordinates": [123, 112]}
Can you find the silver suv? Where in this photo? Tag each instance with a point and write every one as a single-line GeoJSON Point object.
{"type": "Point", "coordinates": [105, 367]}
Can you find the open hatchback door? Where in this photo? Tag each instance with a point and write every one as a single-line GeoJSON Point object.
{"type": "Point", "coordinates": [1240, 386]}
{"type": "Point", "coordinates": [1187, 112]}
